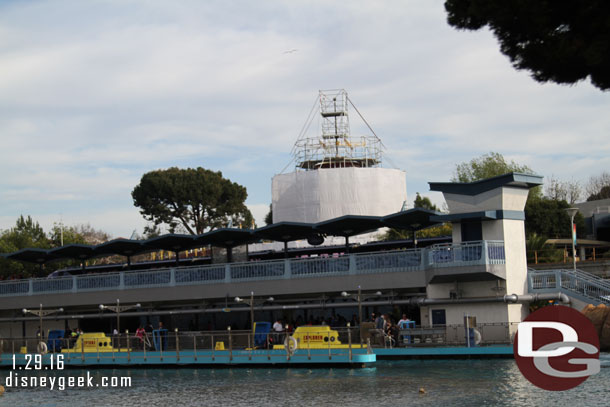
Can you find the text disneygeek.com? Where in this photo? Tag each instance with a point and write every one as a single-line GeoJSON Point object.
{"type": "Point", "coordinates": [16, 380]}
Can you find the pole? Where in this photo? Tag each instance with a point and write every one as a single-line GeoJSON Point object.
{"type": "Point", "coordinates": [359, 306]}
{"type": "Point", "coordinates": [40, 326]}
{"type": "Point", "coordinates": [252, 310]}
{"type": "Point", "coordinates": [118, 316]}
{"type": "Point", "coordinates": [573, 240]}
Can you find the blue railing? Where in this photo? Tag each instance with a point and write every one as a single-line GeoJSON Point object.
{"type": "Point", "coordinates": [453, 255]}
{"type": "Point", "coordinates": [574, 283]}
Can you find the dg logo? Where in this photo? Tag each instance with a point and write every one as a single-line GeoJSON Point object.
{"type": "Point", "coordinates": [557, 348]}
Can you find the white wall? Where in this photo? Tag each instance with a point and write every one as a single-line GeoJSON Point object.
{"type": "Point", "coordinates": [318, 195]}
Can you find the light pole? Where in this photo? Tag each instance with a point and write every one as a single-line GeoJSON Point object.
{"type": "Point", "coordinates": [251, 303]}
{"type": "Point", "coordinates": [360, 297]}
{"type": "Point", "coordinates": [118, 308]}
{"type": "Point", "coordinates": [40, 313]}
{"type": "Point", "coordinates": [572, 212]}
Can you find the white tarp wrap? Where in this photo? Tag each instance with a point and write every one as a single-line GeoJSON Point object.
{"type": "Point", "coordinates": [318, 195]}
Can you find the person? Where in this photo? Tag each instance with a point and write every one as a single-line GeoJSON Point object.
{"type": "Point", "coordinates": [278, 328]}
{"type": "Point", "coordinates": [403, 319]}
{"type": "Point", "coordinates": [140, 334]}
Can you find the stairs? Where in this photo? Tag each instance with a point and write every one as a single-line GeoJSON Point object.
{"type": "Point", "coordinates": [574, 283]}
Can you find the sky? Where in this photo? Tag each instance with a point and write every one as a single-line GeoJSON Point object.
{"type": "Point", "coordinates": [95, 94]}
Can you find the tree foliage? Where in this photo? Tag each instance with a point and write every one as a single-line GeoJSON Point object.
{"type": "Point", "coordinates": [490, 165]}
{"type": "Point", "coordinates": [559, 190]}
{"type": "Point", "coordinates": [196, 199]}
{"type": "Point", "coordinates": [598, 187]}
{"type": "Point", "coordinates": [434, 231]}
{"type": "Point", "coordinates": [424, 202]}
{"type": "Point", "coordinates": [487, 166]}
{"type": "Point", "coordinates": [559, 41]}
{"type": "Point", "coordinates": [549, 218]}
{"type": "Point", "coordinates": [29, 234]}
{"type": "Point", "coordinates": [269, 216]}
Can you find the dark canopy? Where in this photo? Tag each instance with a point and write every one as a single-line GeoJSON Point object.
{"type": "Point", "coordinates": [411, 219]}
{"type": "Point", "coordinates": [173, 242]}
{"type": "Point", "coordinates": [226, 237]}
{"type": "Point", "coordinates": [74, 251]}
{"type": "Point", "coordinates": [124, 247]}
{"type": "Point", "coordinates": [285, 231]}
{"type": "Point", "coordinates": [349, 225]}
{"type": "Point", "coordinates": [39, 256]}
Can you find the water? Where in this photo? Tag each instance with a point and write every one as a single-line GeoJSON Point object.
{"type": "Point", "coordinates": [395, 383]}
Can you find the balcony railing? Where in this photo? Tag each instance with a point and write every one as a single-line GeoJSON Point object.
{"type": "Point", "coordinates": [453, 255]}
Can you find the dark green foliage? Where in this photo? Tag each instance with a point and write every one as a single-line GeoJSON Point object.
{"type": "Point", "coordinates": [487, 166]}
{"type": "Point", "coordinates": [604, 193]}
{"type": "Point", "coordinates": [196, 199]}
{"type": "Point", "coordinates": [491, 165]}
{"type": "Point", "coordinates": [548, 217]}
{"type": "Point", "coordinates": [269, 216]}
{"type": "Point", "coordinates": [561, 41]}
{"type": "Point", "coordinates": [424, 202]}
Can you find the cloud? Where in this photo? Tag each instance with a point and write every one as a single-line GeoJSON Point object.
{"type": "Point", "coordinates": [95, 94]}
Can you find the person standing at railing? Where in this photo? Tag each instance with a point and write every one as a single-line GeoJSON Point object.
{"type": "Point", "coordinates": [278, 329]}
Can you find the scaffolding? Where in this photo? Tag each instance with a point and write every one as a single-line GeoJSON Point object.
{"type": "Point", "coordinates": [335, 147]}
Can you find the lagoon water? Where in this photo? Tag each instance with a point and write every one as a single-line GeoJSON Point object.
{"type": "Point", "coordinates": [388, 383]}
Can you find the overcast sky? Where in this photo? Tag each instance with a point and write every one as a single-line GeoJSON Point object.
{"type": "Point", "coordinates": [93, 94]}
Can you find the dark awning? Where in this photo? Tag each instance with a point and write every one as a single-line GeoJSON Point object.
{"type": "Point", "coordinates": [285, 231]}
{"type": "Point", "coordinates": [411, 219]}
{"type": "Point", "coordinates": [349, 225]}
{"type": "Point", "coordinates": [226, 237]}
{"type": "Point", "coordinates": [172, 242]}
{"type": "Point", "coordinates": [39, 256]}
{"type": "Point", "coordinates": [124, 247]}
{"type": "Point", "coordinates": [74, 251]}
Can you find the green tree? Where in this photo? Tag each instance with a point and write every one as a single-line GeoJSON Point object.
{"type": "Point", "coordinates": [491, 165]}
{"type": "Point", "coordinates": [197, 199]}
{"type": "Point", "coordinates": [25, 234]}
{"type": "Point", "coordinates": [69, 235]}
{"type": "Point", "coordinates": [487, 166]}
{"type": "Point", "coordinates": [548, 217]}
{"type": "Point", "coordinates": [434, 231]}
{"type": "Point", "coordinates": [557, 41]}
{"type": "Point", "coordinates": [599, 187]}
{"type": "Point", "coordinates": [269, 216]}
{"type": "Point", "coordinates": [424, 202]}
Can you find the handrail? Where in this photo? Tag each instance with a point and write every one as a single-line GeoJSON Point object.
{"type": "Point", "coordinates": [577, 283]}
{"type": "Point", "coordinates": [454, 255]}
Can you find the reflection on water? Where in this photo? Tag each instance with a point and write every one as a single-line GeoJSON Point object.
{"type": "Point", "coordinates": [447, 383]}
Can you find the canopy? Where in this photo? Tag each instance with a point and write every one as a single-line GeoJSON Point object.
{"type": "Point", "coordinates": [349, 225]}
{"type": "Point", "coordinates": [412, 219]}
{"type": "Point", "coordinates": [285, 231]}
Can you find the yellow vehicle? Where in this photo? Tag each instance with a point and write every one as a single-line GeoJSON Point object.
{"type": "Point", "coordinates": [314, 337]}
{"type": "Point", "coordinates": [93, 342]}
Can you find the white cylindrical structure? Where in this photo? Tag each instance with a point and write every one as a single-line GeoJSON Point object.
{"type": "Point", "coordinates": [318, 195]}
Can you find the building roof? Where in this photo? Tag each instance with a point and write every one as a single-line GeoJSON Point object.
{"type": "Point", "coordinates": [74, 251]}
{"type": "Point", "coordinates": [512, 179]}
{"type": "Point", "coordinates": [285, 231]}
{"type": "Point", "coordinates": [226, 237]}
{"type": "Point", "coordinates": [349, 225]}
{"type": "Point", "coordinates": [173, 242]}
{"type": "Point", "coordinates": [38, 256]}
{"type": "Point", "coordinates": [411, 219]}
{"type": "Point", "coordinates": [124, 247]}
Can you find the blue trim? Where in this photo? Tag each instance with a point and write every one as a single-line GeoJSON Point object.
{"type": "Point", "coordinates": [481, 215]}
{"type": "Point", "coordinates": [513, 179]}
